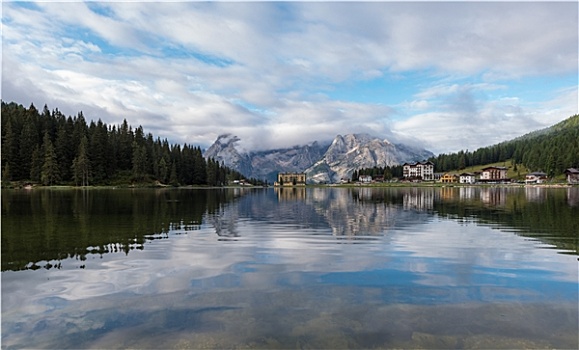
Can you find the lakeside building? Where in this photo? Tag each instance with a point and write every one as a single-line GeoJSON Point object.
{"type": "Point", "coordinates": [365, 179]}
{"type": "Point", "coordinates": [467, 178]}
{"type": "Point", "coordinates": [536, 177]}
{"type": "Point", "coordinates": [494, 174]}
{"type": "Point", "coordinates": [290, 179]}
{"type": "Point", "coordinates": [419, 171]}
{"type": "Point", "coordinates": [572, 176]}
{"type": "Point", "coordinates": [449, 178]}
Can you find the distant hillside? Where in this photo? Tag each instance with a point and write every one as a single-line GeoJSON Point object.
{"type": "Point", "coordinates": [570, 122]}
{"type": "Point", "coordinates": [551, 150]}
{"type": "Point", "coordinates": [513, 172]}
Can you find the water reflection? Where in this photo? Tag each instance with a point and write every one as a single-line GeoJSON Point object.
{"type": "Point", "coordinates": [51, 226]}
{"type": "Point", "coordinates": [311, 268]}
{"type": "Point", "coordinates": [290, 193]}
{"type": "Point", "coordinates": [419, 199]}
{"type": "Point", "coordinates": [225, 222]}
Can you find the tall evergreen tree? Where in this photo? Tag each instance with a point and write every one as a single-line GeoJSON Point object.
{"type": "Point", "coordinates": [173, 180]}
{"type": "Point", "coordinates": [28, 142]}
{"type": "Point", "coordinates": [9, 149]}
{"type": "Point", "coordinates": [36, 163]}
{"type": "Point", "coordinates": [163, 170]}
{"type": "Point", "coordinates": [152, 156]}
{"type": "Point", "coordinates": [50, 174]}
{"type": "Point", "coordinates": [125, 146]}
{"type": "Point", "coordinates": [212, 172]}
{"type": "Point", "coordinates": [62, 147]}
{"type": "Point", "coordinates": [98, 151]}
{"type": "Point", "coordinates": [199, 167]}
{"type": "Point", "coordinates": [139, 162]}
{"type": "Point", "coordinates": [81, 164]}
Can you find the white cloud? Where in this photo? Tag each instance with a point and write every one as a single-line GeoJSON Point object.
{"type": "Point", "coordinates": [418, 104]}
{"type": "Point", "coordinates": [441, 90]}
{"type": "Point", "coordinates": [461, 120]}
{"type": "Point", "coordinates": [565, 102]}
{"type": "Point", "coordinates": [190, 71]}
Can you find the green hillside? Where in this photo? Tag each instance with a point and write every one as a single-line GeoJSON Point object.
{"type": "Point", "coordinates": [513, 172]}
{"type": "Point", "coordinates": [551, 150]}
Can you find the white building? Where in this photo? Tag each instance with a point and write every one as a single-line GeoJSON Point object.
{"type": "Point", "coordinates": [572, 175]}
{"type": "Point", "coordinates": [467, 178]}
{"type": "Point", "coordinates": [494, 174]}
{"type": "Point", "coordinates": [366, 179]}
{"type": "Point", "coordinates": [418, 171]}
{"type": "Point", "coordinates": [536, 177]}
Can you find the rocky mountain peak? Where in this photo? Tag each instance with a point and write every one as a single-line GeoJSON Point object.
{"type": "Point", "coordinates": [224, 151]}
{"type": "Point", "coordinates": [354, 151]}
{"type": "Point", "coordinates": [322, 162]}
{"type": "Point", "coordinates": [227, 139]}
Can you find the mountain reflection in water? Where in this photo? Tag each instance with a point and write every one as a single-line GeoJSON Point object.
{"type": "Point", "coordinates": [454, 267]}
{"type": "Point", "coordinates": [41, 228]}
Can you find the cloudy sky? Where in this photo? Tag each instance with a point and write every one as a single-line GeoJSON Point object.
{"type": "Point", "coordinates": [454, 75]}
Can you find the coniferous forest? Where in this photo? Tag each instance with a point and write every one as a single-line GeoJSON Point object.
{"type": "Point", "coordinates": [50, 148]}
{"type": "Point", "coordinates": [46, 147]}
{"type": "Point", "coordinates": [551, 150]}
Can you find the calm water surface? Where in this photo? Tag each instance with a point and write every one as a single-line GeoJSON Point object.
{"type": "Point", "coordinates": [292, 268]}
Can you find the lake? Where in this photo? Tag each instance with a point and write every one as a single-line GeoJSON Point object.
{"type": "Point", "coordinates": [306, 268]}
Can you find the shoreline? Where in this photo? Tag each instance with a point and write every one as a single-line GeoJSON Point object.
{"type": "Point", "coordinates": [30, 187]}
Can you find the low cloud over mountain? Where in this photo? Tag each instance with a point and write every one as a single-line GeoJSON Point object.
{"type": "Point", "coordinates": [322, 162]}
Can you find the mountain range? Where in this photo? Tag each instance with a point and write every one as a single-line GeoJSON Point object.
{"type": "Point", "coordinates": [322, 162]}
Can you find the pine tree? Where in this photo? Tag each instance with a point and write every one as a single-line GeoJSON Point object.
{"type": "Point", "coordinates": [125, 148]}
{"type": "Point", "coordinates": [49, 175]}
{"type": "Point", "coordinates": [387, 173]}
{"type": "Point", "coordinates": [63, 148]}
{"type": "Point", "coordinates": [6, 175]}
{"type": "Point", "coordinates": [173, 180]}
{"type": "Point", "coordinates": [176, 161]}
{"type": "Point", "coordinates": [81, 164]}
{"type": "Point", "coordinates": [28, 142]}
{"type": "Point", "coordinates": [163, 170]}
{"type": "Point", "coordinates": [152, 156]}
{"type": "Point", "coordinates": [199, 167]}
{"type": "Point", "coordinates": [98, 151]}
{"type": "Point", "coordinates": [139, 162]}
{"type": "Point", "coordinates": [211, 172]}
{"type": "Point", "coordinates": [186, 166]}
{"type": "Point", "coordinates": [9, 150]}
{"type": "Point", "coordinates": [461, 160]}
{"type": "Point", "coordinates": [36, 164]}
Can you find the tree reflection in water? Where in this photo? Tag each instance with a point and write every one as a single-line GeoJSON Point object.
{"type": "Point", "coordinates": [40, 228]}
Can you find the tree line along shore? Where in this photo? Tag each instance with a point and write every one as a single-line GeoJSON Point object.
{"type": "Point", "coordinates": [48, 148]}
